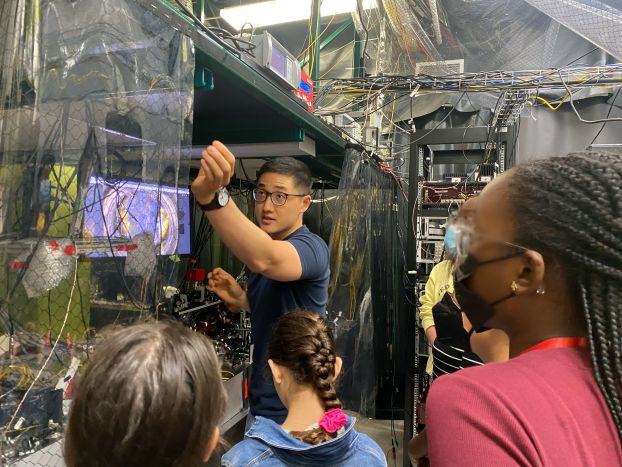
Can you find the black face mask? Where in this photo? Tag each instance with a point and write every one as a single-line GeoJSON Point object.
{"type": "Point", "coordinates": [476, 308]}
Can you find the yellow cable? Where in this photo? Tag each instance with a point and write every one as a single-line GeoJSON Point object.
{"type": "Point", "coordinates": [303, 53]}
{"type": "Point", "coordinates": [309, 50]}
{"type": "Point", "coordinates": [336, 63]}
{"type": "Point", "coordinates": [548, 104]}
{"type": "Point", "coordinates": [312, 52]}
{"type": "Point", "coordinates": [23, 429]}
{"type": "Point", "coordinates": [332, 52]}
{"type": "Point", "coordinates": [312, 43]}
{"type": "Point", "coordinates": [25, 371]}
{"type": "Point", "coordinates": [330, 69]}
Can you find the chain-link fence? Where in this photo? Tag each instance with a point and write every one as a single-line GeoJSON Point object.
{"type": "Point", "coordinates": [600, 22]}
{"type": "Point", "coordinates": [95, 111]}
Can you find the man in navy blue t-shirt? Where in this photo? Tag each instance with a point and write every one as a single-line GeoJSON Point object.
{"type": "Point", "coordinates": [289, 264]}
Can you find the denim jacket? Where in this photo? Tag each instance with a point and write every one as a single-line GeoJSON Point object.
{"type": "Point", "coordinates": [266, 444]}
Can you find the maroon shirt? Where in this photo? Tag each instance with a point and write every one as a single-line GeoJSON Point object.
{"type": "Point", "coordinates": [542, 408]}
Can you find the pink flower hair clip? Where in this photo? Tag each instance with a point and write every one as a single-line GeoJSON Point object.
{"type": "Point", "coordinates": [333, 421]}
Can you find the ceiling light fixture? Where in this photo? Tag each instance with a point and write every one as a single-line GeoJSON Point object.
{"type": "Point", "coordinates": [286, 11]}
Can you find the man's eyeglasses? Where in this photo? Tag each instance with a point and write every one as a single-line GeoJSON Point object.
{"type": "Point", "coordinates": [278, 197]}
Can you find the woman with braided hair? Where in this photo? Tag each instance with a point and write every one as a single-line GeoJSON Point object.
{"type": "Point", "coordinates": [316, 432]}
{"type": "Point", "coordinates": [542, 262]}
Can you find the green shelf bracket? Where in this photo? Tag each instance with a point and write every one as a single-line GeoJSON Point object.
{"type": "Point", "coordinates": [203, 78]}
{"type": "Point", "coordinates": [331, 37]}
{"type": "Point", "coordinates": [315, 31]}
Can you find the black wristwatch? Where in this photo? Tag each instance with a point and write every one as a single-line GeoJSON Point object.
{"type": "Point", "coordinates": [220, 201]}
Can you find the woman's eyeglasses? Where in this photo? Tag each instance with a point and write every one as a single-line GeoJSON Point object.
{"type": "Point", "coordinates": [464, 239]}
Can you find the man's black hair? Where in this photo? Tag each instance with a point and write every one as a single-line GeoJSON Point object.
{"type": "Point", "coordinates": [290, 167]}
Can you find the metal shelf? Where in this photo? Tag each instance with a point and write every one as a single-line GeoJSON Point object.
{"type": "Point", "coordinates": [244, 106]}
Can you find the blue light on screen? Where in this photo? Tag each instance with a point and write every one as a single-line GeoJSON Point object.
{"type": "Point", "coordinates": [123, 209]}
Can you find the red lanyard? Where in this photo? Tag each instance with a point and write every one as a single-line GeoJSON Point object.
{"type": "Point", "coordinates": [558, 343]}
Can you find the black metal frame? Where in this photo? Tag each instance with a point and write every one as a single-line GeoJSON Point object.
{"type": "Point", "coordinates": [504, 141]}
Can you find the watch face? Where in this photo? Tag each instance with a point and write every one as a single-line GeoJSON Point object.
{"type": "Point", "coordinates": [223, 197]}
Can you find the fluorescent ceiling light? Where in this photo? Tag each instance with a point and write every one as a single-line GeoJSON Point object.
{"type": "Point", "coordinates": [286, 11]}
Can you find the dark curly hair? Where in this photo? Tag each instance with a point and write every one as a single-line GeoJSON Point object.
{"type": "Point", "coordinates": [303, 343]}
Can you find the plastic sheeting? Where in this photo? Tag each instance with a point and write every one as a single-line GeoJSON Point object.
{"type": "Point", "coordinates": [487, 35]}
{"type": "Point", "coordinates": [349, 304]}
{"type": "Point", "coordinates": [596, 21]}
{"type": "Point", "coordinates": [435, 36]}
{"type": "Point", "coordinates": [95, 111]}
{"type": "Point", "coordinates": [365, 287]}
{"type": "Point", "coordinates": [498, 34]}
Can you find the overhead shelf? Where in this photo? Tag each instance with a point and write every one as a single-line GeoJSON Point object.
{"type": "Point", "coordinates": [237, 104]}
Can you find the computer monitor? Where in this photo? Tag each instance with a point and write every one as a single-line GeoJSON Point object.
{"type": "Point", "coordinates": [121, 209]}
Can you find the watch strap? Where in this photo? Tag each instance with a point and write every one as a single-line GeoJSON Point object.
{"type": "Point", "coordinates": [212, 205]}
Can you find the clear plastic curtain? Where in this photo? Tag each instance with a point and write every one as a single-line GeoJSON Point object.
{"type": "Point", "coordinates": [95, 112]}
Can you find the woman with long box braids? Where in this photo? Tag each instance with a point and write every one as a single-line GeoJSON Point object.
{"type": "Point", "coordinates": [542, 262]}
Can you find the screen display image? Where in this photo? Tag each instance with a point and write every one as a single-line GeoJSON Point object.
{"type": "Point", "coordinates": [122, 209]}
{"type": "Point", "coordinates": [277, 63]}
